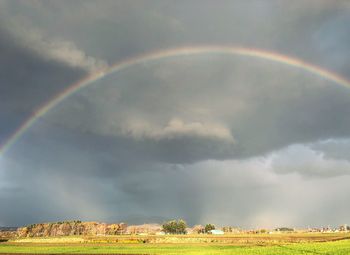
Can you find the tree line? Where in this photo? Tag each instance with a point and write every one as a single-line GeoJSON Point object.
{"type": "Point", "coordinates": [179, 227]}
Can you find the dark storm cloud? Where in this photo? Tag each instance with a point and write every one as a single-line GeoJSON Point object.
{"type": "Point", "coordinates": [27, 81]}
{"type": "Point", "coordinates": [334, 149]}
{"type": "Point", "coordinates": [113, 30]}
{"type": "Point", "coordinates": [185, 110]}
{"type": "Point", "coordinates": [194, 137]}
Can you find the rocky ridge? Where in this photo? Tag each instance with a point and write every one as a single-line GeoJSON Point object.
{"type": "Point", "coordinates": [71, 228]}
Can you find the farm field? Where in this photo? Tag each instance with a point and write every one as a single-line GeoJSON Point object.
{"type": "Point", "coordinates": [289, 244]}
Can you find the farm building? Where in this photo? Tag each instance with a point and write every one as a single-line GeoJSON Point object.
{"type": "Point", "coordinates": [216, 232]}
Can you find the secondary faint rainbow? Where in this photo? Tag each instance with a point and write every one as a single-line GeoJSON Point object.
{"type": "Point", "coordinates": [168, 53]}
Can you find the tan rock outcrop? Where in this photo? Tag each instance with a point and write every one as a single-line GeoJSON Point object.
{"type": "Point", "coordinates": [144, 229]}
{"type": "Point", "coordinates": [70, 228]}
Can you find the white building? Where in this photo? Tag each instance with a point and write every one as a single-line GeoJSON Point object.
{"type": "Point", "coordinates": [216, 232]}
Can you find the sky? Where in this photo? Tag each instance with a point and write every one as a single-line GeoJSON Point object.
{"type": "Point", "coordinates": [210, 138]}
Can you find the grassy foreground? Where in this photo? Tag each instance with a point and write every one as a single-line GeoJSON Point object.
{"type": "Point", "coordinates": [340, 247]}
{"type": "Point", "coordinates": [335, 248]}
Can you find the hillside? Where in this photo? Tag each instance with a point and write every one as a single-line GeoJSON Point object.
{"type": "Point", "coordinates": [69, 228]}
{"type": "Point", "coordinates": [7, 233]}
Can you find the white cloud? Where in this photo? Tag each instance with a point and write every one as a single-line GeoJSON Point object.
{"type": "Point", "coordinates": [56, 49]}
{"type": "Point", "coordinates": [334, 148]}
{"type": "Point", "coordinates": [68, 53]}
{"type": "Point", "coordinates": [176, 128]}
{"type": "Point", "coordinates": [304, 160]}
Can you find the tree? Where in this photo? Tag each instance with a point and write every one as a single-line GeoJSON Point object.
{"type": "Point", "coordinates": [175, 227]}
{"type": "Point", "coordinates": [181, 227]}
{"type": "Point", "coordinates": [209, 227]}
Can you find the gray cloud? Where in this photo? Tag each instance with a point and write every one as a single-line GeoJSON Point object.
{"type": "Point", "coordinates": [309, 163]}
{"type": "Point", "coordinates": [242, 192]}
{"type": "Point", "coordinates": [334, 148]}
{"type": "Point", "coordinates": [209, 107]}
{"type": "Point", "coordinates": [210, 138]}
{"type": "Point", "coordinates": [27, 81]}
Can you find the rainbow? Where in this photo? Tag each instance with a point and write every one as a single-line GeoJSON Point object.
{"type": "Point", "coordinates": [168, 53]}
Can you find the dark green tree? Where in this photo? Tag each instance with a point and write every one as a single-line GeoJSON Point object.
{"type": "Point", "coordinates": [181, 226]}
{"type": "Point", "coordinates": [175, 227]}
{"type": "Point", "coordinates": [209, 227]}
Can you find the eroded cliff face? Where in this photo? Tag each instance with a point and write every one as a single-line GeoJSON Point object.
{"type": "Point", "coordinates": [144, 228]}
{"type": "Point", "coordinates": [70, 228]}
{"type": "Point", "coordinates": [7, 234]}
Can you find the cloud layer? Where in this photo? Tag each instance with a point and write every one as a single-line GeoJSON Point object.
{"type": "Point", "coordinates": [210, 138]}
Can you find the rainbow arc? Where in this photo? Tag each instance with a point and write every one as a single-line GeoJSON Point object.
{"type": "Point", "coordinates": [169, 53]}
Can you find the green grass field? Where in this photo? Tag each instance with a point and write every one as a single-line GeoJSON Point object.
{"type": "Point", "coordinates": [258, 245]}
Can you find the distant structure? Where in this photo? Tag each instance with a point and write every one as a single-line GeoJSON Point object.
{"type": "Point", "coordinates": [285, 229]}
{"type": "Point", "coordinates": [216, 232]}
